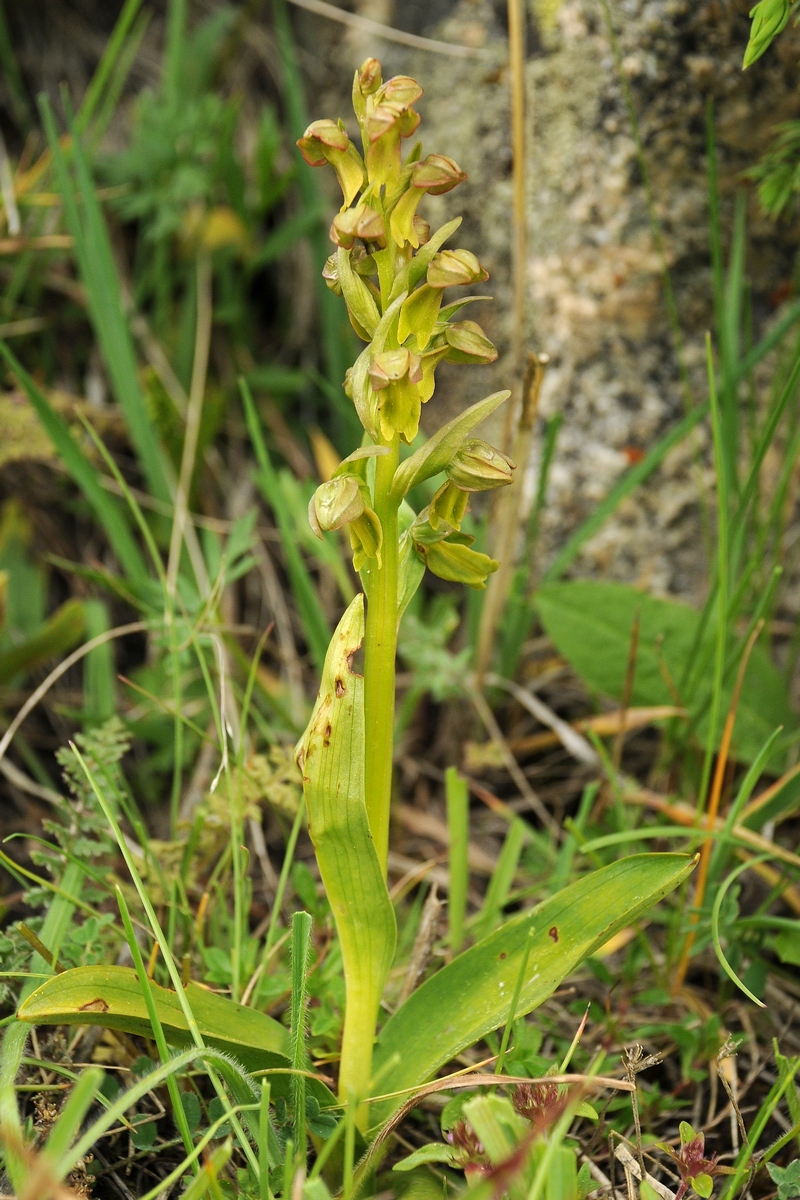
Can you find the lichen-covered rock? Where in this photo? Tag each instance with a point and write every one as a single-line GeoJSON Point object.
{"type": "Point", "coordinates": [595, 272]}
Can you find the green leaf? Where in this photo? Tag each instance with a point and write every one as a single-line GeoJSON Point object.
{"type": "Point", "coordinates": [703, 1185]}
{"type": "Point", "coordinates": [434, 456]}
{"type": "Point", "coordinates": [331, 758]}
{"type": "Point", "coordinates": [769, 17]}
{"type": "Point", "coordinates": [438, 1152]}
{"type": "Point", "coordinates": [59, 634]}
{"type": "Point", "coordinates": [590, 624]}
{"type": "Point", "coordinates": [469, 997]}
{"type": "Point", "coordinates": [112, 997]}
{"type": "Point", "coordinates": [144, 1136]}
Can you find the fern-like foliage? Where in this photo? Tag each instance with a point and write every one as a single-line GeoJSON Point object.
{"type": "Point", "coordinates": [78, 827]}
{"type": "Point", "coordinates": [778, 173]}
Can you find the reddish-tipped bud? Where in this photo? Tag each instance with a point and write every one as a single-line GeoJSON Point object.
{"type": "Point", "coordinates": [325, 141]}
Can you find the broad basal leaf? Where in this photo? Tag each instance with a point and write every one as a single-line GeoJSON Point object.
{"type": "Point", "coordinates": [591, 622]}
{"type": "Point", "coordinates": [331, 758]}
{"type": "Point", "coordinates": [112, 997]}
{"type": "Point", "coordinates": [471, 996]}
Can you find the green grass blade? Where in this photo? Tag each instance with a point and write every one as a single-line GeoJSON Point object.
{"type": "Point", "coordinates": [145, 984]}
{"type": "Point", "coordinates": [106, 68]}
{"type": "Point", "coordinates": [99, 673]}
{"type": "Point", "coordinates": [98, 275]}
{"type": "Point", "coordinates": [458, 825]}
{"type": "Point", "coordinates": [172, 76]}
{"type": "Point", "coordinates": [315, 625]}
{"type": "Point", "coordinates": [13, 76]}
{"type": "Point", "coordinates": [502, 878]}
{"type": "Point", "coordinates": [107, 509]}
{"type": "Point", "coordinates": [629, 482]}
{"type": "Point", "coordinates": [469, 997]}
{"type": "Point", "coordinates": [723, 516]}
{"type": "Point", "coordinates": [301, 948]}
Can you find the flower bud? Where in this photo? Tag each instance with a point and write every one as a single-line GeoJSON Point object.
{"type": "Point", "coordinates": [468, 343]}
{"type": "Point", "coordinates": [369, 76]}
{"type": "Point", "coordinates": [331, 275]}
{"type": "Point", "coordinates": [359, 222]}
{"type": "Point", "coordinates": [447, 507]}
{"type": "Point", "coordinates": [450, 267]}
{"type": "Point", "coordinates": [335, 503]}
{"type": "Point", "coordinates": [478, 467]}
{"type": "Point", "coordinates": [325, 141]}
{"type": "Point", "coordinates": [769, 18]}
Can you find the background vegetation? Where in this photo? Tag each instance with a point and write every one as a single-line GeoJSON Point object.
{"type": "Point", "coordinates": [173, 369]}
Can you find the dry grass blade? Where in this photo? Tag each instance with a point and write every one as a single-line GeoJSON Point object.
{"type": "Point", "coordinates": [377, 29]}
{"type": "Point", "coordinates": [506, 516]}
{"type": "Point", "coordinates": [61, 669]}
{"type": "Point", "coordinates": [570, 739]}
{"type": "Point", "coordinates": [713, 808]}
{"type": "Point", "coordinates": [604, 725]}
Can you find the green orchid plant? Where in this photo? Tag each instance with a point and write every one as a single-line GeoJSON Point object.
{"type": "Point", "coordinates": [392, 272]}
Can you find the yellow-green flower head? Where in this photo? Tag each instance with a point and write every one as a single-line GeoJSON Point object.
{"type": "Point", "coordinates": [478, 467]}
{"type": "Point", "coordinates": [325, 141]}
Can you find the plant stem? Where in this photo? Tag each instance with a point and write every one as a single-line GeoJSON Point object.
{"type": "Point", "coordinates": [380, 647]}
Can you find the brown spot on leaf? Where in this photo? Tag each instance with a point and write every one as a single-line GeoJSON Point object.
{"type": "Point", "coordinates": [553, 933]}
{"type": "Point", "coordinates": [98, 1005]}
{"type": "Point", "coordinates": [339, 688]}
{"type": "Point", "coordinates": [326, 737]}
{"type": "Point", "coordinates": [503, 954]}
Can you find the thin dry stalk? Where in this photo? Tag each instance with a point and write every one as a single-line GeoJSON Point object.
{"type": "Point", "coordinates": [507, 518]}
{"type": "Point", "coordinates": [512, 766]}
{"type": "Point", "coordinates": [516, 47]}
{"type": "Point", "coordinates": [423, 944]}
{"type": "Point", "coordinates": [713, 808]}
{"type": "Point", "coordinates": [390, 34]}
{"type": "Point", "coordinates": [61, 669]}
